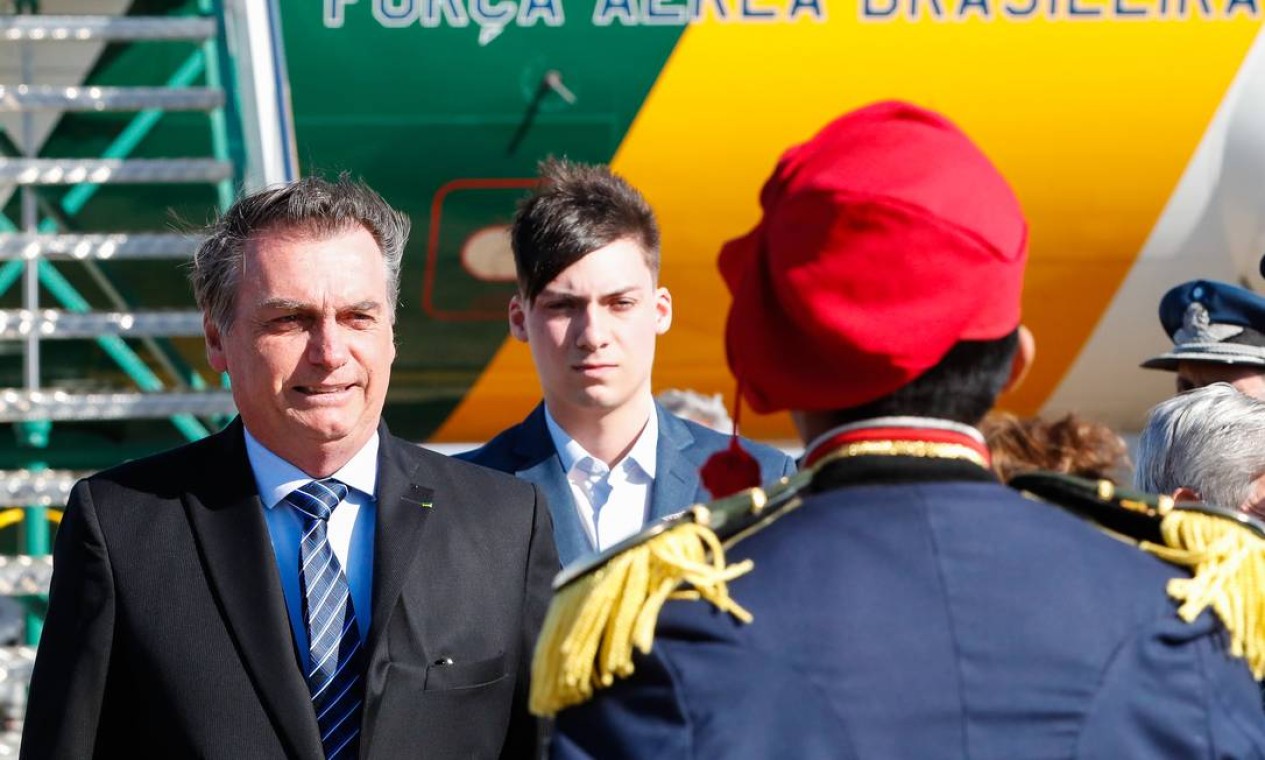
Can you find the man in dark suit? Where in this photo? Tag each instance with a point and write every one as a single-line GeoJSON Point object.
{"type": "Point", "coordinates": [301, 584]}
{"type": "Point", "coordinates": [590, 308]}
{"type": "Point", "coordinates": [903, 604]}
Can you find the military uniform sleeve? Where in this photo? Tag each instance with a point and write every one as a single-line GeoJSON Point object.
{"type": "Point", "coordinates": [1174, 691]}
{"type": "Point", "coordinates": [69, 681]}
{"type": "Point", "coordinates": [635, 718]}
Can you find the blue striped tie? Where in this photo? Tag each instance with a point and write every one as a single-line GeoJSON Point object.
{"type": "Point", "coordinates": [336, 660]}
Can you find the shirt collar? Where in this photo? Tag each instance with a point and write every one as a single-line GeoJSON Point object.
{"type": "Point", "coordinates": [644, 453]}
{"type": "Point", "coordinates": [276, 478]}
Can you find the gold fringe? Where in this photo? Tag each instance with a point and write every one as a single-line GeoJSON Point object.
{"type": "Point", "coordinates": [595, 622]}
{"type": "Point", "coordinates": [1227, 563]}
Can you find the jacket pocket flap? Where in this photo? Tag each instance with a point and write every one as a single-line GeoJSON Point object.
{"type": "Point", "coordinates": [446, 674]}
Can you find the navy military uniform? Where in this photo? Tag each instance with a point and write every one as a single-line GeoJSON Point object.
{"type": "Point", "coordinates": [915, 608]}
{"type": "Point", "coordinates": [1211, 321]}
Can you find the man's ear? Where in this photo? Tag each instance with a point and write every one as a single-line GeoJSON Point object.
{"type": "Point", "coordinates": [1025, 354]}
{"type": "Point", "coordinates": [215, 355]}
{"type": "Point", "coordinates": [518, 317]}
{"type": "Point", "coordinates": [663, 310]}
{"type": "Point", "coordinates": [1185, 494]}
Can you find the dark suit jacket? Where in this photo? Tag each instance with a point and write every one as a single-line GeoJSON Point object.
{"type": "Point", "coordinates": [929, 612]}
{"type": "Point", "coordinates": [167, 633]}
{"type": "Point", "coordinates": [526, 450]}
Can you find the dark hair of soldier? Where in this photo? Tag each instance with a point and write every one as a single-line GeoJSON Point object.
{"type": "Point", "coordinates": [961, 387]}
{"type": "Point", "coordinates": [575, 210]}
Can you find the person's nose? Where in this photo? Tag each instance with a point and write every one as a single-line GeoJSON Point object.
{"type": "Point", "coordinates": [594, 332]}
{"type": "Point", "coordinates": [327, 345]}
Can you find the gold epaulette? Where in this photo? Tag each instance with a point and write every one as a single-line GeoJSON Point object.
{"type": "Point", "coordinates": [1223, 549]}
{"type": "Point", "coordinates": [606, 607]}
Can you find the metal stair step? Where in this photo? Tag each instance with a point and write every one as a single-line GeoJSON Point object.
{"type": "Point", "coordinates": [133, 245]}
{"type": "Point", "coordinates": [47, 488]}
{"type": "Point", "coordinates": [53, 323]}
{"type": "Point", "coordinates": [25, 576]}
{"type": "Point", "coordinates": [14, 659]}
{"type": "Point", "coordinates": [19, 405]}
{"type": "Point", "coordinates": [40, 97]}
{"type": "Point", "coordinates": [40, 28]}
{"type": "Point", "coordinates": [68, 171]}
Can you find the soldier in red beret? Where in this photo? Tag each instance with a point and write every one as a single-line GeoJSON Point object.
{"type": "Point", "coordinates": [904, 604]}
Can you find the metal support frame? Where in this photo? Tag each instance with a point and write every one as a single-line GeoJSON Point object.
{"type": "Point", "coordinates": [30, 247]}
{"type": "Point", "coordinates": [39, 271]}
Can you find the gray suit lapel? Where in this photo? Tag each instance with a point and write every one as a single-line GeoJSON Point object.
{"type": "Point", "coordinates": [676, 481]}
{"type": "Point", "coordinates": [404, 505]}
{"type": "Point", "coordinates": [538, 462]}
{"type": "Point", "coordinates": [236, 551]}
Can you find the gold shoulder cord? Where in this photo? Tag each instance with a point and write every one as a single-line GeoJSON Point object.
{"type": "Point", "coordinates": [596, 621]}
{"type": "Point", "coordinates": [1227, 565]}
{"type": "Point", "coordinates": [1224, 551]}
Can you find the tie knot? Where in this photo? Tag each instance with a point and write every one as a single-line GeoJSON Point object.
{"type": "Point", "coordinates": [317, 498]}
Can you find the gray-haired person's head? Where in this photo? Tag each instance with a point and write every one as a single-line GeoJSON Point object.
{"type": "Point", "coordinates": [311, 207]}
{"type": "Point", "coordinates": [1210, 440]}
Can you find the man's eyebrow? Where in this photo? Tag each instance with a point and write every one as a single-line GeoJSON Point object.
{"type": "Point", "coordinates": [566, 294]}
{"type": "Point", "coordinates": [622, 291]}
{"type": "Point", "coordinates": [284, 304]}
{"type": "Point", "coordinates": [290, 304]}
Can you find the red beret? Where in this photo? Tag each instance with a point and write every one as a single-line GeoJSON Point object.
{"type": "Point", "coordinates": [885, 239]}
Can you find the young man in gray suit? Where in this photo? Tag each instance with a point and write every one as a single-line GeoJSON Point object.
{"type": "Point", "coordinates": [590, 308]}
{"type": "Point", "coordinates": [301, 584]}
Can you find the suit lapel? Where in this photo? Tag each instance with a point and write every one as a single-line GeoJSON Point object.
{"type": "Point", "coordinates": [236, 551]}
{"type": "Point", "coordinates": [403, 507]}
{"type": "Point", "coordinates": [537, 461]}
{"type": "Point", "coordinates": [676, 480]}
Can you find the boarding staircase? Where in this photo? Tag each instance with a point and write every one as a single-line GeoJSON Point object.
{"type": "Point", "coordinates": [55, 276]}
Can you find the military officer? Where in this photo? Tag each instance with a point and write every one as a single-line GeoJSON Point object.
{"type": "Point", "coordinates": [1218, 334]}
{"type": "Point", "coordinates": [893, 600]}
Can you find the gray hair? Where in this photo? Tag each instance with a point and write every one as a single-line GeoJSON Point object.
{"type": "Point", "coordinates": [310, 207]}
{"type": "Point", "coordinates": [1210, 439]}
{"type": "Point", "coordinates": [692, 405]}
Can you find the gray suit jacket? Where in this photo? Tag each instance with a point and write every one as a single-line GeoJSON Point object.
{"type": "Point", "coordinates": [526, 450]}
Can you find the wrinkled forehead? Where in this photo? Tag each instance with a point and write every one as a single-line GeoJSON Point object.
{"type": "Point", "coordinates": [308, 231]}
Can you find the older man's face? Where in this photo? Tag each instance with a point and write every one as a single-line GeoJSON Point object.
{"type": "Point", "coordinates": [310, 348]}
{"type": "Point", "coordinates": [1249, 380]}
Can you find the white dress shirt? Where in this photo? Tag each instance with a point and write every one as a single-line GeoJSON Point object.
{"type": "Point", "coordinates": [350, 530]}
{"type": "Point", "coordinates": [612, 503]}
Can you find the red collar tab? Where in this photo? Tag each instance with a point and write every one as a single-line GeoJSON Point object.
{"type": "Point", "coordinates": [897, 435]}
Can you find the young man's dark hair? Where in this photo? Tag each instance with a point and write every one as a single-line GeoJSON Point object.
{"type": "Point", "coordinates": [575, 210]}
